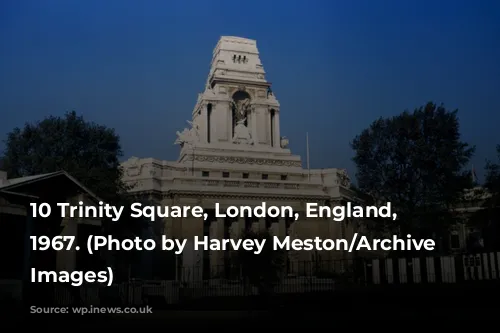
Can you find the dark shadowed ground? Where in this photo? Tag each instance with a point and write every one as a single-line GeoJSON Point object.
{"type": "Point", "coordinates": [422, 303]}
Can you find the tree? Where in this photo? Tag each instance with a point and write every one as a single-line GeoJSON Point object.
{"type": "Point", "coordinates": [487, 219]}
{"type": "Point", "coordinates": [261, 270]}
{"type": "Point", "coordinates": [492, 183]}
{"type": "Point", "coordinates": [415, 161]}
{"type": "Point", "coordinates": [88, 151]}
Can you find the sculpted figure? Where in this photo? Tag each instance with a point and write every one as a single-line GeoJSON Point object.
{"type": "Point", "coordinates": [284, 142]}
{"type": "Point", "coordinates": [344, 178]}
{"type": "Point", "coordinates": [241, 108]}
{"type": "Point", "coordinates": [241, 133]}
{"type": "Point", "coordinates": [187, 136]}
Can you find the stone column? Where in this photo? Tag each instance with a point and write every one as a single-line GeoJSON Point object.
{"type": "Point", "coordinates": [255, 226]}
{"type": "Point", "coordinates": [235, 232]}
{"type": "Point", "coordinates": [221, 112]}
{"type": "Point", "coordinates": [336, 231]}
{"type": "Point", "coordinates": [171, 229]}
{"type": "Point", "coordinates": [236, 229]}
{"type": "Point", "coordinates": [241, 225]}
{"type": "Point", "coordinates": [216, 257]}
{"type": "Point", "coordinates": [262, 127]}
{"type": "Point", "coordinates": [259, 224]}
{"type": "Point", "coordinates": [277, 136]}
{"type": "Point", "coordinates": [278, 228]}
{"type": "Point", "coordinates": [192, 261]}
{"type": "Point", "coordinates": [282, 228]}
{"type": "Point", "coordinates": [229, 121]}
{"type": "Point", "coordinates": [262, 224]}
{"type": "Point", "coordinates": [274, 229]}
{"type": "Point", "coordinates": [293, 256]}
{"type": "Point", "coordinates": [253, 126]}
{"type": "Point", "coordinates": [176, 231]}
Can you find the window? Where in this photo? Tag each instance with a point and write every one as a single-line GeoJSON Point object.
{"type": "Point", "coordinates": [264, 176]}
{"type": "Point", "coordinates": [205, 174]}
{"type": "Point", "coordinates": [284, 177]}
{"type": "Point", "coordinates": [240, 59]}
{"type": "Point", "coordinates": [225, 174]}
{"type": "Point", "coordinates": [245, 175]}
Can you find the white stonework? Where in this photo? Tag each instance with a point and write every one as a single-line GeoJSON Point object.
{"type": "Point", "coordinates": [233, 153]}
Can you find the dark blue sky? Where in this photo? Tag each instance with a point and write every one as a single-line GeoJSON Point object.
{"type": "Point", "coordinates": [336, 66]}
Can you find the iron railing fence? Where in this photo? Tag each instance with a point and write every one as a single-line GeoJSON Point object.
{"type": "Point", "coordinates": [304, 277]}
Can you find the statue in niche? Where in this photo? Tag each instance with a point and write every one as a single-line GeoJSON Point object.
{"type": "Point", "coordinates": [241, 133]}
{"type": "Point", "coordinates": [241, 107]}
{"type": "Point", "coordinates": [188, 135]}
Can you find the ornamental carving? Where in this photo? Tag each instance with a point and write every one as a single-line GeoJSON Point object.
{"type": "Point", "coordinates": [134, 167]}
{"type": "Point", "coordinates": [245, 160]}
{"type": "Point", "coordinates": [242, 133]}
{"type": "Point", "coordinates": [188, 136]}
{"type": "Point", "coordinates": [284, 142]}
{"type": "Point", "coordinates": [344, 179]}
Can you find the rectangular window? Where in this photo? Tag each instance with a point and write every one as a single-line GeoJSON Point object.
{"type": "Point", "coordinates": [205, 173]}
{"type": "Point", "coordinates": [264, 176]}
{"type": "Point", "coordinates": [225, 174]}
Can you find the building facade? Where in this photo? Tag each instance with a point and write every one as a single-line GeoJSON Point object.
{"type": "Point", "coordinates": [18, 224]}
{"type": "Point", "coordinates": [234, 153]}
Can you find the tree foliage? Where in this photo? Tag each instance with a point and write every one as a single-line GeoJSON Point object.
{"type": "Point", "coordinates": [86, 150]}
{"type": "Point", "coordinates": [488, 218]}
{"type": "Point", "coordinates": [492, 181]}
{"type": "Point", "coordinates": [414, 160]}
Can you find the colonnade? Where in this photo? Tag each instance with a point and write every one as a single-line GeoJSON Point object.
{"type": "Point", "coordinates": [200, 265]}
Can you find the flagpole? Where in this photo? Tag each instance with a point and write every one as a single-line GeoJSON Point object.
{"type": "Point", "coordinates": [307, 153]}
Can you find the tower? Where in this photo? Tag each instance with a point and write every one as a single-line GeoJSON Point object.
{"type": "Point", "coordinates": [236, 119]}
{"type": "Point", "coordinates": [233, 154]}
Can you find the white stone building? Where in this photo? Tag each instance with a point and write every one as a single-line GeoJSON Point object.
{"type": "Point", "coordinates": [233, 153]}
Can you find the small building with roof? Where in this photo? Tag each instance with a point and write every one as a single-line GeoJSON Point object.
{"type": "Point", "coordinates": [18, 224]}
